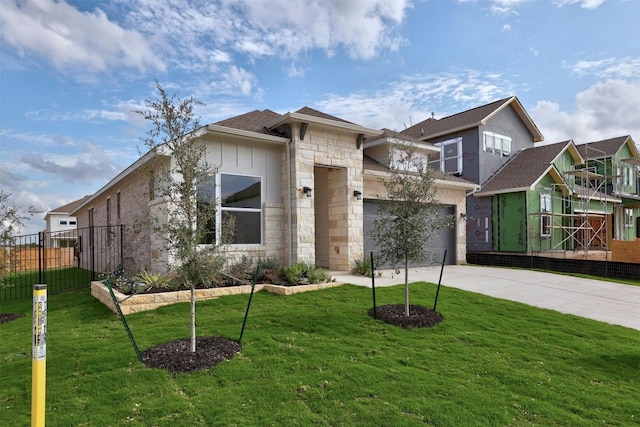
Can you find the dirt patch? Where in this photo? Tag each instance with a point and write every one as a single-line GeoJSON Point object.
{"type": "Point", "coordinates": [8, 317]}
{"type": "Point", "coordinates": [419, 316]}
{"type": "Point", "coordinates": [176, 357]}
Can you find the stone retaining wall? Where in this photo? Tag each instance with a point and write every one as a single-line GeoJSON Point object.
{"type": "Point", "coordinates": [144, 302]}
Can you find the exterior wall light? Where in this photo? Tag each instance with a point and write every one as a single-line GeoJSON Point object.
{"type": "Point", "coordinates": [357, 194]}
{"type": "Point", "coordinates": [307, 191]}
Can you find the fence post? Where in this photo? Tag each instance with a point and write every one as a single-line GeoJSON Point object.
{"type": "Point", "coordinates": [39, 356]}
{"type": "Point", "coordinates": [41, 256]}
{"type": "Point", "coordinates": [93, 251]}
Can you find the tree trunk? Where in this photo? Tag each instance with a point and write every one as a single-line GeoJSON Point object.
{"type": "Point", "coordinates": [406, 287]}
{"type": "Point", "coordinates": [193, 319]}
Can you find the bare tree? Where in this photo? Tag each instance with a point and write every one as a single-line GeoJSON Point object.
{"type": "Point", "coordinates": [186, 220]}
{"type": "Point", "coordinates": [410, 215]}
{"type": "Point", "coordinates": [12, 219]}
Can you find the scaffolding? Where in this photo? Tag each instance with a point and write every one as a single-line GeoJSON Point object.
{"type": "Point", "coordinates": [578, 219]}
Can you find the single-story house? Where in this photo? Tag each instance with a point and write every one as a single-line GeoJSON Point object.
{"type": "Point", "coordinates": [314, 180]}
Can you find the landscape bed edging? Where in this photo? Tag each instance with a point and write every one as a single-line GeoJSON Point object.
{"type": "Point", "coordinates": [144, 302]}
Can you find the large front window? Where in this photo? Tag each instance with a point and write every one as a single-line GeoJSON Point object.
{"type": "Point", "coordinates": [241, 198]}
{"type": "Point", "coordinates": [238, 197]}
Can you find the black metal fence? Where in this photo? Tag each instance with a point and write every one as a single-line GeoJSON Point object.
{"type": "Point", "coordinates": [62, 260]}
{"type": "Point", "coordinates": [606, 269]}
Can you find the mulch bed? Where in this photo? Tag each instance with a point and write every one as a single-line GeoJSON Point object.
{"type": "Point", "coordinates": [8, 317]}
{"type": "Point", "coordinates": [176, 356]}
{"type": "Point", "coordinates": [419, 316]}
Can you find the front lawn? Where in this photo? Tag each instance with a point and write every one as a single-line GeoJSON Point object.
{"type": "Point", "coordinates": [317, 359]}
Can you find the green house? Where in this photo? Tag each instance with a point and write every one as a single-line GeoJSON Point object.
{"type": "Point", "coordinates": [616, 161]}
{"type": "Point", "coordinates": [548, 199]}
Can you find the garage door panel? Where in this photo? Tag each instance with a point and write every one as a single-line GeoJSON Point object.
{"type": "Point", "coordinates": [443, 240]}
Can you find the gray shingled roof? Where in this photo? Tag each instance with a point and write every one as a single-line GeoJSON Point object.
{"type": "Point", "coordinates": [523, 170]}
{"type": "Point", "coordinates": [603, 148]}
{"type": "Point", "coordinates": [315, 113]}
{"type": "Point", "coordinates": [253, 121]}
{"type": "Point", "coordinates": [465, 119]}
{"type": "Point", "coordinates": [69, 206]}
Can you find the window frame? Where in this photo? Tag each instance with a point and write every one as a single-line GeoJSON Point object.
{"type": "Point", "coordinates": [221, 209]}
{"type": "Point", "coordinates": [458, 157]}
{"type": "Point", "coordinates": [546, 208]}
{"type": "Point", "coordinates": [505, 143]}
{"type": "Point", "coordinates": [545, 225]}
{"type": "Point", "coordinates": [628, 218]}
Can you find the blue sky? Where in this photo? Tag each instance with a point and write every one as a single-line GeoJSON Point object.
{"type": "Point", "coordinates": [71, 72]}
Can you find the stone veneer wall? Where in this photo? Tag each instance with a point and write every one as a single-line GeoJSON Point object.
{"type": "Point", "coordinates": [346, 225]}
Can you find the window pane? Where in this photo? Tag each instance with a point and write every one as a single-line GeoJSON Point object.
{"type": "Point", "coordinates": [240, 191]}
{"type": "Point", "coordinates": [247, 227]}
{"type": "Point", "coordinates": [451, 165]}
{"type": "Point", "coordinates": [450, 150]}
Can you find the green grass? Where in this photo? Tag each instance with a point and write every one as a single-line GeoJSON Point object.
{"type": "Point", "coordinates": [21, 285]}
{"type": "Point", "coordinates": [318, 359]}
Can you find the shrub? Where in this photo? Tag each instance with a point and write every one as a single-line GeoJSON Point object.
{"type": "Point", "coordinates": [270, 271]}
{"type": "Point", "coordinates": [305, 273]}
{"type": "Point", "coordinates": [156, 280]}
{"type": "Point", "coordinates": [241, 269]}
{"type": "Point", "coordinates": [317, 274]}
{"type": "Point", "coordinates": [295, 272]}
{"type": "Point", "coordinates": [362, 266]}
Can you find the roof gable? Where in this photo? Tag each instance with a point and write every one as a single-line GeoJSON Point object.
{"type": "Point", "coordinates": [69, 207]}
{"type": "Point", "coordinates": [607, 147]}
{"type": "Point", "coordinates": [527, 168]}
{"type": "Point", "coordinates": [432, 128]}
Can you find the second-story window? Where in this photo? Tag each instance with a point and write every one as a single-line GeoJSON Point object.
{"type": "Point", "coordinates": [450, 156]}
{"type": "Point", "coordinates": [496, 144]}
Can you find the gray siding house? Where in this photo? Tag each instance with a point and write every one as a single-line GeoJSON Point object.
{"type": "Point", "coordinates": [475, 144]}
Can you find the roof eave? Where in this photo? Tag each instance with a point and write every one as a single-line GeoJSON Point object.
{"type": "Point", "coordinates": [241, 133]}
{"type": "Point", "coordinates": [392, 140]}
{"type": "Point", "coordinates": [503, 191]}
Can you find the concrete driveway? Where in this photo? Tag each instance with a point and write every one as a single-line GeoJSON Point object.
{"type": "Point", "coordinates": [593, 299]}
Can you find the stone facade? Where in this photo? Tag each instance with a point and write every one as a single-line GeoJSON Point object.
{"type": "Point", "coordinates": [320, 153]}
{"type": "Point", "coordinates": [338, 154]}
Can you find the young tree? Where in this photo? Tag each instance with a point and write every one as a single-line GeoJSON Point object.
{"type": "Point", "coordinates": [410, 215]}
{"type": "Point", "coordinates": [182, 177]}
{"type": "Point", "coordinates": [12, 219]}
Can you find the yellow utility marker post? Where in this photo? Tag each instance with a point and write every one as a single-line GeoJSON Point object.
{"type": "Point", "coordinates": [39, 356]}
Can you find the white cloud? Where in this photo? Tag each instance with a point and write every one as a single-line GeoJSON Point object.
{"type": "Point", "coordinates": [506, 27]}
{"type": "Point", "coordinates": [261, 28]}
{"type": "Point", "coordinates": [505, 7]}
{"type": "Point", "coordinates": [605, 110]}
{"type": "Point", "coordinates": [585, 4]}
{"type": "Point", "coordinates": [72, 39]}
{"type": "Point", "coordinates": [608, 68]}
{"type": "Point", "coordinates": [412, 99]}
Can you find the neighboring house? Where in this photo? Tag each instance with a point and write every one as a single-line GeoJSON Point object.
{"type": "Point", "coordinates": [544, 200]}
{"type": "Point", "coordinates": [475, 144]}
{"type": "Point", "coordinates": [616, 162]}
{"type": "Point", "coordinates": [307, 176]}
{"type": "Point", "coordinates": [61, 225]}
